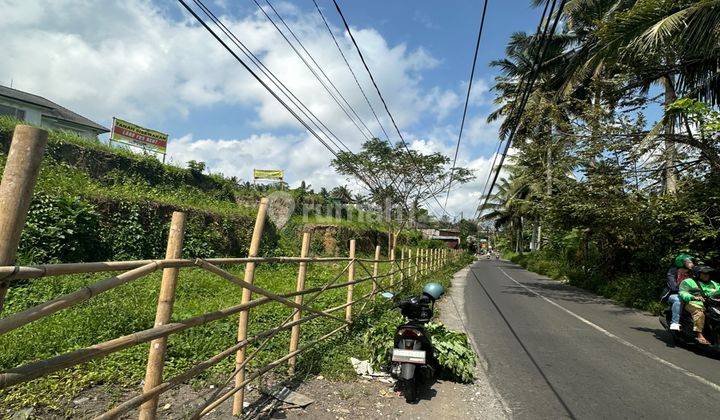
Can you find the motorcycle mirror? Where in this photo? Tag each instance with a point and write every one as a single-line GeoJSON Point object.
{"type": "Point", "coordinates": [387, 295]}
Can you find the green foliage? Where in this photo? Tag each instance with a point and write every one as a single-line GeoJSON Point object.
{"type": "Point", "coordinates": [380, 338]}
{"type": "Point", "coordinates": [452, 348]}
{"type": "Point", "coordinates": [61, 228]}
{"type": "Point", "coordinates": [453, 351]}
{"type": "Point", "coordinates": [131, 308]}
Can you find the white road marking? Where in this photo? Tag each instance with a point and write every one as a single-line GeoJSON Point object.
{"type": "Point", "coordinates": [620, 340]}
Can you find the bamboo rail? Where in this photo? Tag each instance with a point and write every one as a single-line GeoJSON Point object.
{"type": "Point", "coordinates": [155, 385]}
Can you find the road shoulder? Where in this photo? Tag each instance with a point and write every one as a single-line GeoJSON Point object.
{"type": "Point", "coordinates": [452, 313]}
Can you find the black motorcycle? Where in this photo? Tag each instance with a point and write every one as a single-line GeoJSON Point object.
{"type": "Point", "coordinates": [413, 363]}
{"type": "Point", "coordinates": [686, 335]}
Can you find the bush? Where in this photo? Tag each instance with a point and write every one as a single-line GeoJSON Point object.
{"type": "Point", "coordinates": [60, 229]}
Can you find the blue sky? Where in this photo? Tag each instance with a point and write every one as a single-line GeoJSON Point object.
{"type": "Point", "coordinates": [149, 62]}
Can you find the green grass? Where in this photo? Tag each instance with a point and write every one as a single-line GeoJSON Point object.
{"type": "Point", "coordinates": [636, 290]}
{"type": "Point", "coordinates": [131, 308]}
{"type": "Point", "coordinates": [363, 224]}
{"type": "Point", "coordinates": [59, 178]}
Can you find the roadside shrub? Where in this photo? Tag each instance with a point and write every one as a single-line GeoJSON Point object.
{"type": "Point", "coordinates": [452, 349]}
{"type": "Point", "coordinates": [61, 228]}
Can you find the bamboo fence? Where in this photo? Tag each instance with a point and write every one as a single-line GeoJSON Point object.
{"type": "Point", "coordinates": [155, 384]}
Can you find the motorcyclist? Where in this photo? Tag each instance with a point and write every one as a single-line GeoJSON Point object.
{"type": "Point", "coordinates": [694, 291]}
{"type": "Point", "coordinates": [680, 270]}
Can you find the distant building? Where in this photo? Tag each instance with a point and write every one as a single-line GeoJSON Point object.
{"type": "Point", "coordinates": [44, 113]}
{"type": "Point", "coordinates": [451, 237]}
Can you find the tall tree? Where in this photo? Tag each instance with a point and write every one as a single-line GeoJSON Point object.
{"type": "Point", "coordinates": [404, 179]}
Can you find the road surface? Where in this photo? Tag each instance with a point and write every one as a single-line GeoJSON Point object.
{"type": "Point", "coordinates": [554, 351]}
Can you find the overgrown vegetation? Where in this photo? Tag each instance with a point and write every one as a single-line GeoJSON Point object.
{"type": "Point", "coordinates": [451, 348]}
{"type": "Point", "coordinates": [96, 203]}
{"type": "Point", "coordinates": [132, 307]}
{"type": "Point", "coordinates": [604, 196]}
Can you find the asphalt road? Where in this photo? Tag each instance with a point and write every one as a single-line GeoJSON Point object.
{"type": "Point", "coordinates": [555, 351]}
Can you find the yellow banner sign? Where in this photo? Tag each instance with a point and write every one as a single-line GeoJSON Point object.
{"type": "Point", "coordinates": [267, 174]}
{"type": "Point", "coordinates": [126, 132]}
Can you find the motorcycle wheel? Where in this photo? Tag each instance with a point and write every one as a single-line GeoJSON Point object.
{"type": "Point", "coordinates": [410, 390]}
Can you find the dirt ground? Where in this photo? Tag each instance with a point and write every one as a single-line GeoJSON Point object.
{"type": "Point", "coordinates": [363, 398]}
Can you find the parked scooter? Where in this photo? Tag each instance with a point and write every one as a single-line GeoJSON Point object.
{"type": "Point", "coordinates": [413, 362]}
{"type": "Point", "coordinates": [686, 336]}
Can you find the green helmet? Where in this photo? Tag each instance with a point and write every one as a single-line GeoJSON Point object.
{"type": "Point", "coordinates": [434, 290]}
{"type": "Point", "coordinates": [680, 260]}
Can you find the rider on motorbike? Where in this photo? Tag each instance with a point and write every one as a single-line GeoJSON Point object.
{"type": "Point", "coordinates": [694, 291]}
{"type": "Point", "coordinates": [676, 274]}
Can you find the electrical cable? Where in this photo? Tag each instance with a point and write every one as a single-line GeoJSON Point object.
{"type": "Point", "coordinates": [274, 79]}
{"type": "Point", "coordinates": [266, 86]}
{"type": "Point", "coordinates": [320, 68]}
{"type": "Point", "coordinates": [528, 90]}
{"type": "Point", "coordinates": [382, 98]}
{"type": "Point", "coordinates": [467, 99]}
{"type": "Point", "coordinates": [347, 64]}
{"type": "Point", "coordinates": [314, 73]}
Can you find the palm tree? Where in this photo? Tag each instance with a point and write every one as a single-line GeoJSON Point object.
{"type": "Point", "coordinates": [675, 44]}
{"type": "Point", "coordinates": [514, 203]}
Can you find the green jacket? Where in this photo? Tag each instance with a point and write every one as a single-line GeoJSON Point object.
{"type": "Point", "coordinates": [689, 288]}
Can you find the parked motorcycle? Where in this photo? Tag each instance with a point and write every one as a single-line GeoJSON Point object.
{"type": "Point", "coordinates": [413, 362]}
{"type": "Point", "coordinates": [686, 335]}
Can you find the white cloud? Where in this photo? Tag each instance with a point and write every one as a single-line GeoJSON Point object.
{"type": "Point", "coordinates": [130, 58]}
{"type": "Point", "coordinates": [480, 93]}
{"type": "Point", "coordinates": [479, 131]}
{"type": "Point", "coordinates": [150, 61]}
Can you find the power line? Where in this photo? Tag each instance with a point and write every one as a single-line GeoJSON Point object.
{"type": "Point", "coordinates": [382, 98]}
{"type": "Point", "coordinates": [487, 180]}
{"type": "Point", "coordinates": [273, 78]}
{"type": "Point", "coordinates": [467, 98]}
{"type": "Point", "coordinates": [517, 95]}
{"type": "Point", "coordinates": [536, 67]}
{"type": "Point", "coordinates": [357, 82]}
{"type": "Point", "coordinates": [319, 68]}
{"type": "Point", "coordinates": [314, 73]}
{"type": "Point", "coordinates": [265, 85]}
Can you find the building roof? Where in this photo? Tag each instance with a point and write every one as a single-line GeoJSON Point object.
{"type": "Point", "coordinates": [445, 238]}
{"type": "Point", "coordinates": [53, 110]}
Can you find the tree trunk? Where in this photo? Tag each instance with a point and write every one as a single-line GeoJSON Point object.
{"type": "Point", "coordinates": [670, 172]}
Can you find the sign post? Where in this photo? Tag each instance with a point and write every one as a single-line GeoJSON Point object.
{"type": "Point", "coordinates": [134, 135]}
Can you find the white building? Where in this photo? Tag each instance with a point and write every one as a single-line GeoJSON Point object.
{"type": "Point", "coordinates": [44, 113]}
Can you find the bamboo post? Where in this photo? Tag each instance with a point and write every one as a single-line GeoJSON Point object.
{"type": "Point", "coordinates": [425, 261]}
{"type": "Point", "coordinates": [16, 189]}
{"type": "Point", "coordinates": [375, 271]}
{"type": "Point", "coordinates": [402, 266]}
{"type": "Point", "coordinates": [431, 262]}
{"type": "Point", "coordinates": [246, 295]}
{"type": "Point", "coordinates": [392, 266]}
{"type": "Point", "coordinates": [302, 272]}
{"type": "Point", "coordinates": [417, 264]}
{"type": "Point", "coordinates": [428, 261]}
{"type": "Point", "coordinates": [351, 277]}
{"type": "Point", "coordinates": [421, 261]}
{"type": "Point", "coordinates": [166, 299]}
{"type": "Point", "coordinates": [409, 266]}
